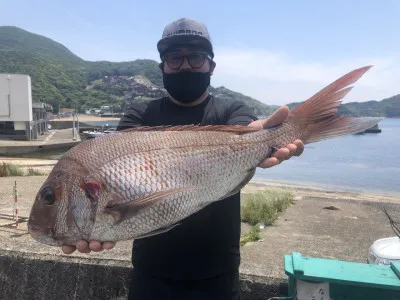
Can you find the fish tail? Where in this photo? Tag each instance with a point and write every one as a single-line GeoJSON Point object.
{"type": "Point", "coordinates": [316, 119]}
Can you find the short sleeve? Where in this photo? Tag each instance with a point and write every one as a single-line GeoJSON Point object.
{"type": "Point", "coordinates": [134, 117]}
{"type": "Point", "coordinates": [240, 114]}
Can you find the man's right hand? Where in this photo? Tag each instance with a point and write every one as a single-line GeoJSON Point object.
{"type": "Point", "coordinates": [85, 247]}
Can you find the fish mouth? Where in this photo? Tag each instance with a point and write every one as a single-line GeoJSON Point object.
{"type": "Point", "coordinates": [42, 235]}
{"type": "Point", "coordinates": [45, 235]}
{"type": "Point", "coordinates": [38, 231]}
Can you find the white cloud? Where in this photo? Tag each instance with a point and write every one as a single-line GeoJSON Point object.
{"type": "Point", "coordinates": [275, 78]}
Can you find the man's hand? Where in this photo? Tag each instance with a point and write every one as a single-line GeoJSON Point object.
{"type": "Point", "coordinates": [85, 247]}
{"type": "Point", "coordinates": [294, 149]}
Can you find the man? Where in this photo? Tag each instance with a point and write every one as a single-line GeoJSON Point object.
{"type": "Point", "coordinates": [198, 259]}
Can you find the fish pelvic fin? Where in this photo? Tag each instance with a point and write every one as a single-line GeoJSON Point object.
{"type": "Point", "coordinates": [316, 119]}
{"type": "Point", "coordinates": [157, 232]}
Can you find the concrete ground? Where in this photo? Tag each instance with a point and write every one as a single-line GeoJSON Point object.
{"type": "Point", "coordinates": [314, 229]}
{"type": "Point", "coordinates": [54, 140]}
{"type": "Point", "coordinates": [345, 233]}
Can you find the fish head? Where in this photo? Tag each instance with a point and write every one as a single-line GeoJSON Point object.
{"type": "Point", "coordinates": [55, 217]}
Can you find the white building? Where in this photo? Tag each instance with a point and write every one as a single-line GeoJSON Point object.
{"type": "Point", "coordinates": [19, 117]}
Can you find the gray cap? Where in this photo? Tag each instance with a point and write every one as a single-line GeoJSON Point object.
{"type": "Point", "coordinates": [185, 32]}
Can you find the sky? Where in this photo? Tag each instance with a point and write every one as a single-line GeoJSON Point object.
{"type": "Point", "coordinates": [277, 52]}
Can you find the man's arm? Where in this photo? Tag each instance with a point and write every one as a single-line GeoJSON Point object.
{"type": "Point", "coordinates": [134, 117]}
{"type": "Point", "coordinates": [240, 114]}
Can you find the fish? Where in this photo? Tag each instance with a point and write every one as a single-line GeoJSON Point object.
{"type": "Point", "coordinates": [144, 181]}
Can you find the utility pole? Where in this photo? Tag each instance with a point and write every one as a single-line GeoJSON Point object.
{"type": "Point", "coordinates": [73, 126]}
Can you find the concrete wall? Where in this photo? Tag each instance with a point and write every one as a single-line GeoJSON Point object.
{"type": "Point", "coordinates": [20, 125]}
{"type": "Point", "coordinates": [35, 276]}
{"type": "Point", "coordinates": [15, 97]}
{"type": "Point", "coordinates": [69, 124]}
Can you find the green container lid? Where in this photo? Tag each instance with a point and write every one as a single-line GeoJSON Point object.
{"type": "Point", "coordinates": [345, 280]}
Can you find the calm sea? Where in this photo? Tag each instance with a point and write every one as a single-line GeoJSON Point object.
{"type": "Point", "coordinates": [107, 123]}
{"type": "Point", "coordinates": [357, 163]}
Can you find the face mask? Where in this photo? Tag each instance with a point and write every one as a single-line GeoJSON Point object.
{"type": "Point", "coordinates": [186, 86]}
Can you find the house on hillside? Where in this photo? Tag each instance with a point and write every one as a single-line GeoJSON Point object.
{"type": "Point", "coordinates": [20, 118]}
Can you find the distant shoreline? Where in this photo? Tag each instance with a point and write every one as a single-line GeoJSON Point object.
{"type": "Point", "coordinates": [87, 118]}
{"type": "Point", "coordinates": [257, 184]}
{"type": "Point", "coordinates": [260, 181]}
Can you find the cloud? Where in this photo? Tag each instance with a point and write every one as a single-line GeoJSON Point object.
{"type": "Point", "coordinates": [276, 78]}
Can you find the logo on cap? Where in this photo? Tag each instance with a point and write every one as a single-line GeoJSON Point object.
{"type": "Point", "coordinates": [187, 31]}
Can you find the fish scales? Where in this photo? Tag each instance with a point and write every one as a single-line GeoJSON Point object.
{"type": "Point", "coordinates": [203, 169]}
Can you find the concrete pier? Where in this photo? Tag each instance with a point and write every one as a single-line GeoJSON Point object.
{"type": "Point", "coordinates": [51, 140]}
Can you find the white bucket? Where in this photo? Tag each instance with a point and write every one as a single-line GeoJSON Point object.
{"type": "Point", "coordinates": [384, 251]}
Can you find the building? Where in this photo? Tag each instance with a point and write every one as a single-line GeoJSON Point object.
{"type": "Point", "coordinates": [20, 119]}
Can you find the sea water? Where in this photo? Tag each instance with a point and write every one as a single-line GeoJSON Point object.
{"type": "Point", "coordinates": [368, 162]}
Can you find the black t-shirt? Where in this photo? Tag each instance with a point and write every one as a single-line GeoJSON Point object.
{"type": "Point", "coordinates": [206, 243]}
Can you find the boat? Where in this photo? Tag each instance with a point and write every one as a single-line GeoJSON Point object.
{"type": "Point", "coordinates": [374, 129]}
{"type": "Point", "coordinates": [95, 133]}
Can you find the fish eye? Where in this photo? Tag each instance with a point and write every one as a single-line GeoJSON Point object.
{"type": "Point", "coordinates": [48, 197]}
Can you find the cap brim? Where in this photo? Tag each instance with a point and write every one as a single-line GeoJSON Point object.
{"type": "Point", "coordinates": [178, 40]}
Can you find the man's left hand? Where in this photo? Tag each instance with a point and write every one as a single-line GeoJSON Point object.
{"type": "Point", "coordinates": [294, 149]}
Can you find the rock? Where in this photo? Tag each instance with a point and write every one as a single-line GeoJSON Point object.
{"type": "Point", "coordinates": [135, 88]}
{"type": "Point", "coordinates": [331, 207]}
{"type": "Point", "coordinates": [261, 225]}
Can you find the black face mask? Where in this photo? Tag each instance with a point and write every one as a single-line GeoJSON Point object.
{"type": "Point", "coordinates": [186, 86]}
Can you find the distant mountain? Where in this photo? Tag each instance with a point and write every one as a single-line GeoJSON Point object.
{"type": "Point", "coordinates": [259, 108]}
{"type": "Point", "coordinates": [58, 74]}
{"type": "Point", "coordinates": [389, 107]}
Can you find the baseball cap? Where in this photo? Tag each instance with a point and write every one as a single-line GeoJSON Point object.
{"type": "Point", "coordinates": [185, 32]}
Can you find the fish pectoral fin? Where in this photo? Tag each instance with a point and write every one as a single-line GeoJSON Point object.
{"type": "Point", "coordinates": [122, 211]}
{"type": "Point", "coordinates": [158, 231]}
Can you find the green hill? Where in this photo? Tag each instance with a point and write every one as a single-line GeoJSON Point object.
{"type": "Point", "coordinates": [258, 107]}
{"type": "Point", "coordinates": [14, 39]}
{"type": "Point", "coordinates": [389, 107]}
{"type": "Point", "coordinates": [57, 74]}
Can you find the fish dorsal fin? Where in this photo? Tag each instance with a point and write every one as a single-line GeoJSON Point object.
{"type": "Point", "coordinates": [236, 129]}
